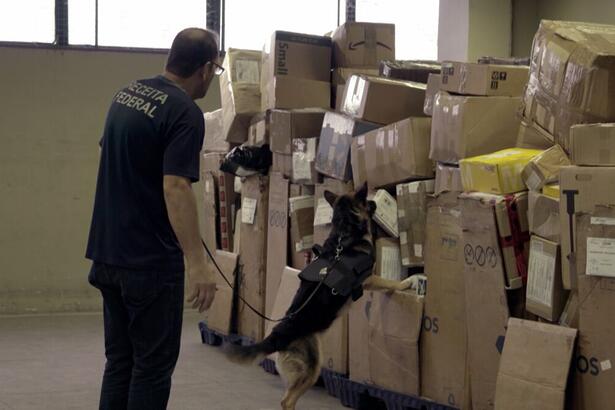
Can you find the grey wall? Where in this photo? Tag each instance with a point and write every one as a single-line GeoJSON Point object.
{"type": "Point", "coordinates": [51, 116]}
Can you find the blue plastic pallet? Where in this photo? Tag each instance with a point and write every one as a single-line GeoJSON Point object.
{"type": "Point", "coordinates": [212, 338]}
{"type": "Point", "coordinates": [269, 366]}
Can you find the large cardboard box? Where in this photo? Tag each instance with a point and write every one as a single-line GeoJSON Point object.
{"type": "Point", "coordinates": [388, 260]}
{"type": "Point", "coordinates": [285, 92]}
{"type": "Point", "coordinates": [240, 93]}
{"type": "Point", "coordinates": [287, 125]}
{"type": "Point", "coordinates": [358, 338]}
{"type": "Point", "coordinates": [444, 337]}
{"type": "Point", "coordinates": [433, 86]}
{"type": "Point", "coordinates": [333, 156]}
{"type": "Point", "coordinates": [363, 44]}
{"type": "Point", "coordinates": [411, 218]}
{"type": "Point", "coordinates": [544, 168]}
{"type": "Point", "coordinates": [382, 100]}
{"type": "Point", "coordinates": [568, 84]}
{"type": "Point", "coordinates": [534, 367]}
{"type": "Point", "coordinates": [582, 188]}
{"type": "Point", "coordinates": [398, 152]}
{"type": "Point", "coordinates": [533, 137]}
{"type": "Point", "coordinates": [484, 79]}
{"type": "Point", "coordinates": [448, 178]}
{"type": "Point", "coordinates": [409, 70]}
{"type": "Point", "coordinates": [496, 173]}
{"type": "Point", "coordinates": [253, 254]}
{"type": "Point", "coordinates": [323, 213]}
{"type": "Point", "coordinates": [487, 309]}
{"type": "Point", "coordinates": [224, 198]}
{"type": "Point", "coordinates": [545, 295]}
{"type": "Point", "coordinates": [595, 242]}
{"type": "Point", "coordinates": [218, 316]}
{"type": "Point", "coordinates": [215, 140]}
{"type": "Point", "coordinates": [464, 126]}
{"type": "Point", "coordinates": [277, 236]}
{"type": "Point", "coordinates": [593, 144]}
{"type": "Point", "coordinates": [543, 216]}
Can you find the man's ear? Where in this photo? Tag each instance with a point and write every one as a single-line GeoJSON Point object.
{"type": "Point", "coordinates": [331, 198]}
{"type": "Point", "coordinates": [361, 194]}
{"type": "Point", "coordinates": [371, 208]}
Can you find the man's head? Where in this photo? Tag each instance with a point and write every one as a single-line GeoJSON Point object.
{"type": "Point", "coordinates": [193, 60]}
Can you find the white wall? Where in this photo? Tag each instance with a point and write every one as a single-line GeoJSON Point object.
{"type": "Point", "coordinates": [453, 30]}
{"type": "Point", "coordinates": [52, 111]}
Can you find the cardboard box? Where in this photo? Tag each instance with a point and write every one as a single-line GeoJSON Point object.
{"type": "Point", "coordinates": [240, 93]}
{"type": "Point", "coordinates": [357, 160]}
{"type": "Point", "coordinates": [569, 67]}
{"type": "Point", "coordinates": [570, 315]}
{"type": "Point", "coordinates": [277, 237]}
{"type": "Point", "coordinates": [509, 213]}
{"type": "Point", "coordinates": [301, 210]}
{"type": "Point", "coordinates": [444, 337]}
{"type": "Point", "coordinates": [487, 309]}
{"type": "Point", "coordinates": [411, 216]}
{"type": "Point", "coordinates": [218, 317]}
{"type": "Point", "coordinates": [258, 132]}
{"type": "Point", "coordinates": [496, 173]}
{"type": "Point", "coordinates": [288, 93]}
{"type": "Point", "coordinates": [386, 212]}
{"type": "Point", "coordinates": [484, 79]}
{"type": "Point", "coordinates": [323, 213]}
{"type": "Point", "coordinates": [282, 163]}
{"type": "Point", "coordinates": [464, 127]}
{"type": "Point", "coordinates": [398, 152]}
{"type": "Point", "coordinates": [358, 338]}
{"type": "Point", "coordinates": [417, 71]}
{"type": "Point", "coordinates": [208, 219]}
{"type": "Point", "coordinates": [448, 178]}
{"type": "Point", "coordinates": [534, 367]}
{"type": "Point", "coordinates": [363, 44]}
{"type": "Point", "coordinates": [333, 156]}
{"type": "Point", "coordinates": [214, 140]}
{"type": "Point", "coordinates": [304, 161]}
{"type": "Point", "coordinates": [552, 191]}
{"type": "Point", "coordinates": [369, 98]}
{"type": "Point", "coordinates": [592, 144]}
{"type": "Point", "coordinates": [543, 216]}
{"type": "Point", "coordinates": [544, 168]}
{"type": "Point", "coordinates": [582, 189]}
{"type": "Point", "coordinates": [340, 75]}
{"type": "Point", "coordinates": [595, 242]}
{"type": "Point", "coordinates": [224, 198]}
{"type": "Point", "coordinates": [388, 260]}
{"type": "Point", "coordinates": [545, 295]}
{"type": "Point", "coordinates": [287, 125]}
{"type": "Point", "coordinates": [253, 254]}
{"type": "Point", "coordinates": [533, 137]}
{"type": "Point", "coordinates": [433, 86]}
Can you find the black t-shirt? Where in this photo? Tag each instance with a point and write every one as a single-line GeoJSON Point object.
{"type": "Point", "coordinates": [153, 129]}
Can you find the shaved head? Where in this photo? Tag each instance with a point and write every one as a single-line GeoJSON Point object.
{"type": "Point", "coordinates": [192, 48]}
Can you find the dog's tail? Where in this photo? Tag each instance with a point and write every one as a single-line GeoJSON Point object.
{"type": "Point", "coordinates": [247, 354]}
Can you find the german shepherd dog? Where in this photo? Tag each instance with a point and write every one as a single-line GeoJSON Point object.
{"type": "Point", "coordinates": [296, 338]}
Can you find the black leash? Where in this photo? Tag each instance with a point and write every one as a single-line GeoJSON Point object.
{"type": "Point", "coordinates": [338, 254]}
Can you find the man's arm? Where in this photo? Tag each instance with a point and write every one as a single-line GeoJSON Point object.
{"type": "Point", "coordinates": [181, 207]}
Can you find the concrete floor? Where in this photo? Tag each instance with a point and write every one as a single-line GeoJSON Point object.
{"type": "Point", "coordinates": [56, 362]}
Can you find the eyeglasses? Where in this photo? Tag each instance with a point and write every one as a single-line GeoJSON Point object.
{"type": "Point", "coordinates": [218, 69]}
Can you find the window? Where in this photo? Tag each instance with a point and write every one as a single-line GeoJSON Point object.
{"type": "Point", "coordinates": [416, 25]}
{"type": "Point", "coordinates": [250, 23]}
{"type": "Point", "coordinates": [28, 20]}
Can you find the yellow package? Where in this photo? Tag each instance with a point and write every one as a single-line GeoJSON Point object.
{"type": "Point", "coordinates": [551, 190]}
{"type": "Point", "coordinates": [496, 173]}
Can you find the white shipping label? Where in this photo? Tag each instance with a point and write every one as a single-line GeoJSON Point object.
{"type": "Point", "coordinates": [305, 244]}
{"type": "Point", "coordinates": [406, 261]}
{"type": "Point", "coordinates": [302, 169]}
{"type": "Point", "coordinates": [541, 275]}
{"type": "Point", "coordinates": [207, 186]}
{"type": "Point", "coordinates": [418, 250]}
{"type": "Point", "coordinates": [248, 210]}
{"type": "Point", "coordinates": [601, 257]}
{"type": "Point", "coordinates": [403, 238]}
{"type": "Point", "coordinates": [390, 263]}
{"type": "Point", "coordinates": [605, 365]}
{"type": "Point", "coordinates": [324, 213]}
{"type": "Point", "coordinates": [246, 72]}
{"type": "Point", "coordinates": [602, 221]}
{"type": "Point", "coordinates": [386, 212]}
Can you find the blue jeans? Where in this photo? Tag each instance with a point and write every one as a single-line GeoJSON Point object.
{"type": "Point", "coordinates": [143, 321]}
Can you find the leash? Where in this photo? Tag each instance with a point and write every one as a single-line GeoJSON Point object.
{"type": "Point", "coordinates": [338, 254]}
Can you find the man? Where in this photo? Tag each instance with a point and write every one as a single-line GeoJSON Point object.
{"type": "Point", "coordinates": [145, 222]}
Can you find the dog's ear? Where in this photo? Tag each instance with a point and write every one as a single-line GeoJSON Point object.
{"type": "Point", "coordinates": [371, 208]}
{"type": "Point", "coordinates": [361, 194]}
{"type": "Point", "coordinates": [331, 198]}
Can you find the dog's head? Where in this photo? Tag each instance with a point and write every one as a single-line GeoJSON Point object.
{"type": "Point", "coordinates": [351, 212]}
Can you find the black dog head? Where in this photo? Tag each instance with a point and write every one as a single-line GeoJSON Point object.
{"type": "Point", "coordinates": [351, 212]}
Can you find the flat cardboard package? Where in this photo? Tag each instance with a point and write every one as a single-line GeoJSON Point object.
{"type": "Point", "coordinates": [411, 218]}
{"type": "Point", "coordinates": [544, 168]}
{"type": "Point", "coordinates": [444, 337]}
{"type": "Point", "coordinates": [277, 236]}
{"type": "Point", "coordinates": [285, 92]}
{"type": "Point", "coordinates": [214, 140]}
{"type": "Point", "coordinates": [386, 212]}
{"type": "Point", "coordinates": [545, 295]}
{"type": "Point", "coordinates": [253, 254]}
{"type": "Point", "coordinates": [240, 93]}
{"type": "Point", "coordinates": [582, 189]}
{"type": "Point", "coordinates": [484, 79]}
{"type": "Point", "coordinates": [448, 178]}
{"type": "Point", "coordinates": [496, 173]}
{"type": "Point", "coordinates": [533, 137]}
{"type": "Point", "coordinates": [357, 161]}
{"type": "Point", "coordinates": [323, 213]}
{"type": "Point", "coordinates": [388, 260]}
{"type": "Point", "coordinates": [464, 127]}
{"type": "Point", "coordinates": [363, 44]}
{"type": "Point", "coordinates": [304, 161]}
{"type": "Point", "coordinates": [224, 197]}
{"type": "Point", "coordinates": [258, 132]}
{"type": "Point", "coordinates": [568, 84]}
{"type": "Point", "coordinates": [398, 152]}
{"type": "Point", "coordinates": [218, 316]}
{"type": "Point", "coordinates": [409, 70]}
{"type": "Point", "coordinates": [382, 100]}
{"type": "Point", "coordinates": [333, 156]}
{"type": "Point", "coordinates": [593, 144]}
{"type": "Point", "coordinates": [543, 216]}
{"type": "Point", "coordinates": [433, 86]}
{"type": "Point", "coordinates": [286, 125]}
{"type": "Point", "coordinates": [534, 367]}
{"type": "Point", "coordinates": [384, 336]}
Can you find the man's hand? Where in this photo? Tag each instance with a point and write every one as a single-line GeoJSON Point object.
{"type": "Point", "coordinates": [202, 287]}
